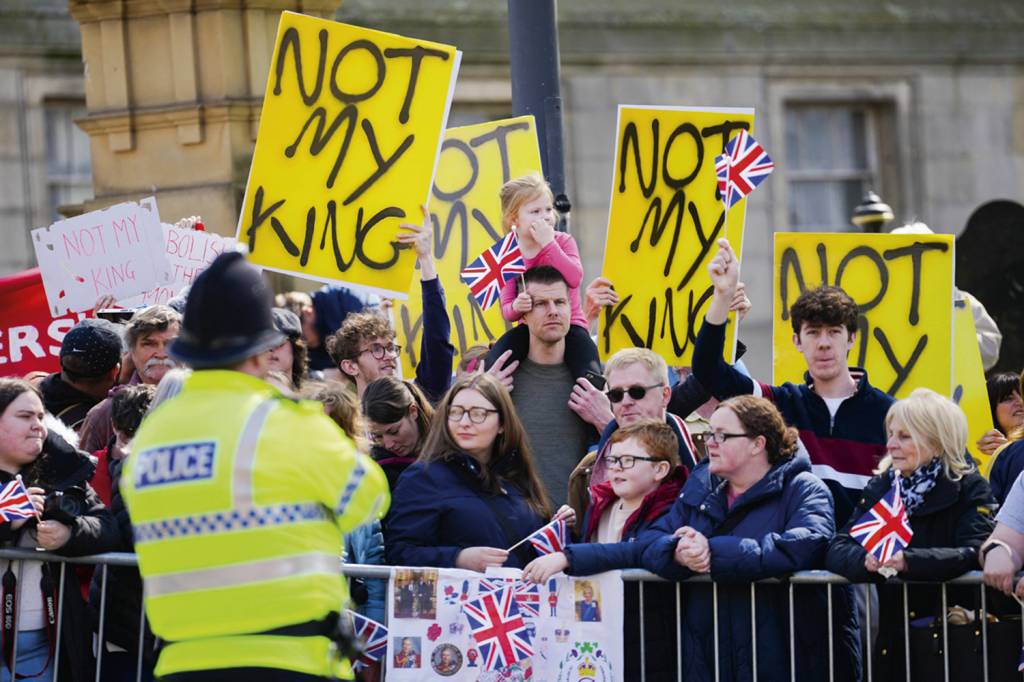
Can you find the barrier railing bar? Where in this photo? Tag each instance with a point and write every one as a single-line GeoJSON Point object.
{"type": "Point", "coordinates": [714, 623]}
{"type": "Point", "coordinates": [17, 617]}
{"type": "Point", "coordinates": [867, 630]}
{"type": "Point", "coordinates": [753, 630]}
{"type": "Point", "coordinates": [643, 639]}
{"type": "Point", "coordinates": [945, 636]}
{"type": "Point", "coordinates": [142, 640]}
{"type": "Point", "coordinates": [984, 632]}
{"type": "Point", "coordinates": [792, 637]}
{"type": "Point", "coordinates": [906, 628]}
{"type": "Point", "coordinates": [100, 644]}
{"type": "Point", "coordinates": [815, 577]}
{"type": "Point", "coordinates": [60, 620]}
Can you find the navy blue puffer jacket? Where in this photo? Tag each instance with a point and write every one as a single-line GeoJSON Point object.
{"type": "Point", "coordinates": [780, 525]}
{"type": "Point", "coordinates": [439, 509]}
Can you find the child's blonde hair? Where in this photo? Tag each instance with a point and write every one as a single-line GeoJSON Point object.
{"type": "Point", "coordinates": [519, 191]}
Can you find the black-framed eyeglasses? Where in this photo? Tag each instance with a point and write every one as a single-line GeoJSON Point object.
{"type": "Point", "coordinates": [477, 415]}
{"type": "Point", "coordinates": [720, 436]}
{"type": "Point", "coordinates": [378, 351]}
{"type": "Point", "coordinates": [635, 392]}
{"type": "Point", "coordinates": [627, 461]}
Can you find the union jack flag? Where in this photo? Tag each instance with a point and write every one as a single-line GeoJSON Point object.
{"type": "Point", "coordinates": [373, 636]}
{"type": "Point", "coordinates": [488, 273]}
{"type": "Point", "coordinates": [884, 529]}
{"type": "Point", "coordinates": [1020, 662]}
{"type": "Point", "coordinates": [15, 503]}
{"type": "Point", "coordinates": [526, 594]}
{"type": "Point", "coordinates": [744, 165]}
{"type": "Point", "coordinates": [551, 538]}
{"type": "Point", "coordinates": [498, 628]}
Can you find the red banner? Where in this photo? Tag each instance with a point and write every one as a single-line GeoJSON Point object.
{"type": "Point", "coordinates": [29, 337]}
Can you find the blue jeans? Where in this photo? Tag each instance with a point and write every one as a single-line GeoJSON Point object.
{"type": "Point", "coordinates": [33, 650]}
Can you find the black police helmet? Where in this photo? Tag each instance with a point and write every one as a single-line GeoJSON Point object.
{"type": "Point", "coordinates": [227, 316]}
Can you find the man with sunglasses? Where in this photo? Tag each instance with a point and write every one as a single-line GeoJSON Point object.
{"type": "Point", "coordinates": [637, 389]}
{"type": "Point", "coordinates": [364, 348]}
{"type": "Point", "coordinates": [840, 416]}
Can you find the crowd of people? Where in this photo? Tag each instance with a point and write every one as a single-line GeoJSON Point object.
{"type": "Point", "coordinates": [680, 471]}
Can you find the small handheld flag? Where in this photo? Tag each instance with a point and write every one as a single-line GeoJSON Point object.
{"type": "Point", "coordinates": [372, 635]}
{"type": "Point", "coordinates": [551, 538]}
{"type": "Point", "coordinates": [884, 530]}
{"type": "Point", "coordinates": [488, 273]}
{"type": "Point", "coordinates": [15, 504]}
{"type": "Point", "coordinates": [744, 165]}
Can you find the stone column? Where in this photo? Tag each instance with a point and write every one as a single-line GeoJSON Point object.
{"type": "Point", "coordinates": [173, 96]}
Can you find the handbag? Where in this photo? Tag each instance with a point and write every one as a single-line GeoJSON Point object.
{"type": "Point", "coordinates": [965, 651]}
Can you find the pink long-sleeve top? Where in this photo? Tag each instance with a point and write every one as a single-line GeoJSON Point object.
{"type": "Point", "coordinates": [562, 254]}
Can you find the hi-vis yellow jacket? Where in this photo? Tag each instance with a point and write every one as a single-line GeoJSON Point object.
{"type": "Point", "coordinates": [238, 499]}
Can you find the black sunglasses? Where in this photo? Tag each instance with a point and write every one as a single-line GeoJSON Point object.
{"type": "Point", "coordinates": [635, 392]}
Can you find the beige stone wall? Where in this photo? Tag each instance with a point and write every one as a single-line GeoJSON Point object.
{"type": "Point", "coordinates": [173, 90]}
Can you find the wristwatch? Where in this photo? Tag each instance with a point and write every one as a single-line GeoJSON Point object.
{"type": "Point", "coordinates": [992, 544]}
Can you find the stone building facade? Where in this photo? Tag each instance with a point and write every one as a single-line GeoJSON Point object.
{"type": "Point", "coordinates": [920, 101]}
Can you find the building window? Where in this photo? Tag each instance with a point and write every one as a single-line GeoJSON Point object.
{"type": "Point", "coordinates": [68, 169]}
{"type": "Point", "coordinates": [834, 153]}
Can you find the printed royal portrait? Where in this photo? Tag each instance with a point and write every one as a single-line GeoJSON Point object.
{"type": "Point", "coordinates": [588, 602]}
{"type": "Point", "coordinates": [446, 660]}
{"type": "Point", "coordinates": [407, 652]}
{"type": "Point", "coordinates": [415, 594]}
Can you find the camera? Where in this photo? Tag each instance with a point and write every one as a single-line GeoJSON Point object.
{"type": "Point", "coordinates": [64, 505]}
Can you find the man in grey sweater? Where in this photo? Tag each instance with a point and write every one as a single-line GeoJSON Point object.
{"type": "Point", "coordinates": [541, 384]}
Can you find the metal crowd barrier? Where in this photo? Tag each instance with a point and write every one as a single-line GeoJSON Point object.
{"type": "Point", "coordinates": [823, 578]}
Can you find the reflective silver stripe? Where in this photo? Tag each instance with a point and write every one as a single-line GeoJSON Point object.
{"type": "Point", "coordinates": [240, 575]}
{"type": "Point", "coordinates": [245, 453]}
{"type": "Point", "coordinates": [230, 521]}
{"type": "Point", "coordinates": [350, 488]}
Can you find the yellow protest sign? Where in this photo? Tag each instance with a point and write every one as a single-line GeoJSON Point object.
{"type": "Point", "coordinates": [465, 209]}
{"type": "Point", "coordinates": [903, 285]}
{"type": "Point", "coordinates": [665, 217]}
{"type": "Point", "coordinates": [349, 134]}
{"type": "Point", "coordinates": [969, 389]}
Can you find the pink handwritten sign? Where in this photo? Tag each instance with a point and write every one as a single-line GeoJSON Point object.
{"type": "Point", "coordinates": [117, 251]}
{"type": "Point", "coordinates": [188, 252]}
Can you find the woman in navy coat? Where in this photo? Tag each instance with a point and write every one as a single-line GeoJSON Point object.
{"type": "Point", "coordinates": [752, 510]}
{"type": "Point", "coordinates": [473, 492]}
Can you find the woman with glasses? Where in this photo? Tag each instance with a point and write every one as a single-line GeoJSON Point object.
{"type": "Point", "coordinates": [752, 510]}
{"type": "Point", "coordinates": [474, 491]}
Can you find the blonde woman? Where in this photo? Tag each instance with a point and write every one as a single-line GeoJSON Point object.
{"type": "Point", "coordinates": [527, 208]}
{"type": "Point", "coordinates": [949, 506]}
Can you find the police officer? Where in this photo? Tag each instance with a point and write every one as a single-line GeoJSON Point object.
{"type": "Point", "coordinates": [239, 498]}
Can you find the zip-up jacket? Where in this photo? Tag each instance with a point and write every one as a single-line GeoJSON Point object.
{"type": "Point", "coordinates": [844, 450]}
{"type": "Point", "coordinates": [590, 556]}
{"type": "Point", "coordinates": [239, 499]}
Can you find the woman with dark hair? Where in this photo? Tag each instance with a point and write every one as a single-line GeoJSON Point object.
{"type": "Point", "coordinates": [398, 417]}
{"type": "Point", "coordinates": [1006, 441]}
{"type": "Point", "coordinates": [473, 491]}
{"type": "Point", "coordinates": [46, 464]}
{"type": "Point", "coordinates": [752, 510]}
